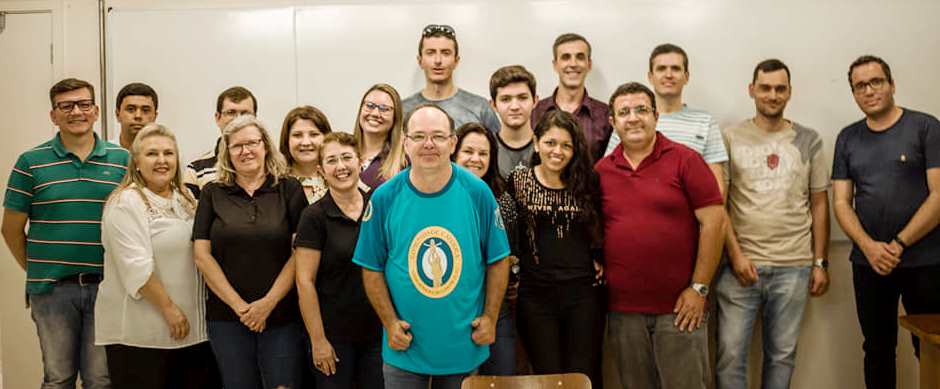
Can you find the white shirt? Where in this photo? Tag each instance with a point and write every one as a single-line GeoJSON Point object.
{"type": "Point", "coordinates": [140, 241]}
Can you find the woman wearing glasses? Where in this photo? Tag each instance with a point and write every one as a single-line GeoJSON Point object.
{"type": "Point", "coordinates": [150, 309]}
{"type": "Point", "coordinates": [301, 134]}
{"type": "Point", "coordinates": [243, 231]}
{"type": "Point", "coordinates": [378, 132]}
{"type": "Point", "coordinates": [345, 333]}
{"type": "Point", "coordinates": [560, 238]}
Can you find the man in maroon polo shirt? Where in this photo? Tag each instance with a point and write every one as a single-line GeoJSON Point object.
{"type": "Point", "coordinates": [663, 234]}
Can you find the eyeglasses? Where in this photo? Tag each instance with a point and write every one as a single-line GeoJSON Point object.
{"type": "Point", "coordinates": [239, 148]}
{"type": "Point", "coordinates": [876, 84]}
{"type": "Point", "coordinates": [368, 106]}
{"type": "Point", "coordinates": [433, 29]}
{"type": "Point", "coordinates": [68, 106]}
{"type": "Point", "coordinates": [437, 139]}
{"type": "Point", "coordinates": [334, 160]}
{"type": "Point", "coordinates": [233, 113]}
{"type": "Point", "coordinates": [640, 110]}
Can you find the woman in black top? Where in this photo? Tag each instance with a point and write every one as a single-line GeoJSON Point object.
{"type": "Point", "coordinates": [559, 246]}
{"type": "Point", "coordinates": [345, 333]}
{"type": "Point", "coordinates": [242, 245]}
{"type": "Point", "coordinates": [477, 151]}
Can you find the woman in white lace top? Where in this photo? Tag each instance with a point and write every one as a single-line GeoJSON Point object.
{"type": "Point", "coordinates": [150, 309]}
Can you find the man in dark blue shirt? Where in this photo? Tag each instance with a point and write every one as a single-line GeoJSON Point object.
{"type": "Point", "coordinates": [886, 190]}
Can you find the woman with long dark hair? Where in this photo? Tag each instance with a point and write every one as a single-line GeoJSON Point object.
{"type": "Point", "coordinates": [477, 151]}
{"type": "Point", "coordinates": [559, 248]}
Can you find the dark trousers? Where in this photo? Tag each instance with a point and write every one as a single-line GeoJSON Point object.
{"type": "Point", "coordinates": [190, 367]}
{"type": "Point", "coordinates": [258, 360]}
{"type": "Point", "coordinates": [359, 366]}
{"type": "Point", "coordinates": [876, 298]}
{"type": "Point", "coordinates": [559, 327]}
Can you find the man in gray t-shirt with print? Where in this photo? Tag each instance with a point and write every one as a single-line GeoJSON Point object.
{"type": "Point", "coordinates": [438, 56]}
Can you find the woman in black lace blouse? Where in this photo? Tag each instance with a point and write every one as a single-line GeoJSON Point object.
{"type": "Point", "coordinates": [558, 229]}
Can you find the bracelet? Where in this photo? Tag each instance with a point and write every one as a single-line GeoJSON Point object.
{"type": "Point", "coordinates": [897, 238]}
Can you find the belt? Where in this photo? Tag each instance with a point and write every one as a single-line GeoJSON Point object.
{"type": "Point", "coordinates": [81, 279]}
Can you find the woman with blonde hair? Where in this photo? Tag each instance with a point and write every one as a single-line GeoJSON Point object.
{"type": "Point", "coordinates": [301, 136]}
{"type": "Point", "coordinates": [150, 309]}
{"type": "Point", "coordinates": [378, 132]}
{"type": "Point", "coordinates": [243, 230]}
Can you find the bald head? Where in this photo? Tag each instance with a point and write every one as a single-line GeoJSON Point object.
{"type": "Point", "coordinates": [429, 118]}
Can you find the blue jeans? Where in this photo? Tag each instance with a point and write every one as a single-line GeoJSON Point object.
{"type": "Point", "coordinates": [252, 360]}
{"type": "Point", "coordinates": [502, 359]}
{"type": "Point", "coordinates": [782, 291]}
{"type": "Point", "coordinates": [359, 366]}
{"type": "Point", "coordinates": [396, 378]}
{"type": "Point", "coordinates": [65, 324]}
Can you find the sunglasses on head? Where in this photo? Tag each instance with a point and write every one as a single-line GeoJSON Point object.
{"type": "Point", "coordinates": [432, 29]}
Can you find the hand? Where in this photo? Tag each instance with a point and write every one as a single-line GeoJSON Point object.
{"type": "Point", "coordinates": [324, 357]}
{"type": "Point", "coordinates": [744, 270]}
{"type": "Point", "coordinates": [256, 315]}
{"type": "Point", "coordinates": [819, 282]}
{"type": "Point", "coordinates": [883, 257]}
{"type": "Point", "coordinates": [398, 336]}
{"type": "Point", "coordinates": [689, 310]}
{"type": "Point", "coordinates": [176, 322]}
{"type": "Point", "coordinates": [484, 330]}
{"type": "Point", "coordinates": [598, 274]}
{"type": "Point", "coordinates": [512, 291]}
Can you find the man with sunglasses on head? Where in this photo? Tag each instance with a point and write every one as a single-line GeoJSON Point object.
{"type": "Point", "coordinates": [59, 188]}
{"type": "Point", "coordinates": [436, 279]}
{"type": "Point", "coordinates": [231, 103]}
{"type": "Point", "coordinates": [886, 195]}
{"type": "Point", "coordinates": [438, 56]}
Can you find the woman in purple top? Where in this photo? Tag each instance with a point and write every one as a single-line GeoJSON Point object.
{"type": "Point", "coordinates": [378, 131]}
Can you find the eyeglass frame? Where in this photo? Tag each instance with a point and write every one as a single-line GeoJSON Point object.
{"type": "Point", "coordinates": [639, 111]}
{"type": "Point", "coordinates": [436, 139]}
{"type": "Point", "coordinates": [877, 84]}
{"type": "Point", "coordinates": [240, 148]}
{"type": "Point", "coordinates": [368, 106]}
{"type": "Point", "coordinates": [75, 103]}
{"type": "Point", "coordinates": [432, 29]}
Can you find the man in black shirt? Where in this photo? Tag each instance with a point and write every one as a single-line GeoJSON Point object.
{"type": "Point", "coordinates": [885, 180]}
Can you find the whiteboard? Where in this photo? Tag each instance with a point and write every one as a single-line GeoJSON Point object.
{"type": "Point", "coordinates": [190, 56]}
{"type": "Point", "coordinates": [327, 53]}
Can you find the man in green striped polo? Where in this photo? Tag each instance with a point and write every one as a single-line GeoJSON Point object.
{"type": "Point", "coordinates": [60, 187]}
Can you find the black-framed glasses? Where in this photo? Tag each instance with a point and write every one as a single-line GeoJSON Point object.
{"type": "Point", "coordinates": [433, 29]}
{"type": "Point", "coordinates": [368, 106]}
{"type": "Point", "coordinates": [68, 106]}
{"type": "Point", "coordinates": [876, 84]}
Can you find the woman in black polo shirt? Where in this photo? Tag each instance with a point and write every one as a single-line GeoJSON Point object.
{"type": "Point", "coordinates": [242, 245]}
{"type": "Point", "coordinates": [345, 333]}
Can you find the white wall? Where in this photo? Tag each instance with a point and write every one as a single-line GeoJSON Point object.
{"type": "Point", "coordinates": [830, 348]}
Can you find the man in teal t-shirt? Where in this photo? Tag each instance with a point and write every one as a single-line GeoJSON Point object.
{"type": "Point", "coordinates": [431, 246]}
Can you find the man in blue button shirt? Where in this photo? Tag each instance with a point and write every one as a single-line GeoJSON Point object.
{"type": "Point", "coordinates": [431, 247]}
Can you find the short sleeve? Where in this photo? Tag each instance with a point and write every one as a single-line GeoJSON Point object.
{"type": "Point", "coordinates": [372, 246]}
{"type": "Point", "coordinates": [125, 235]}
{"type": "Point", "coordinates": [490, 119]}
{"type": "Point", "coordinates": [205, 214]}
{"type": "Point", "coordinates": [311, 232]}
{"type": "Point", "coordinates": [612, 144]}
{"type": "Point", "coordinates": [296, 201]}
{"type": "Point", "coordinates": [190, 181]}
{"type": "Point", "coordinates": [715, 151]}
{"type": "Point", "coordinates": [818, 169]}
{"type": "Point", "coordinates": [932, 142]}
{"type": "Point", "coordinates": [19, 193]}
{"type": "Point", "coordinates": [492, 229]}
{"type": "Point", "coordinates": [840, 158]}
{"type": "Point", "coordinates": [699, 182]}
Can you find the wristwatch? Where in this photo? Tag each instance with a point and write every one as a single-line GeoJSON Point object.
{"type": "Point", "coordinates": [701, 289]}
{"type": "Point", "coordinates": [821, 263]}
